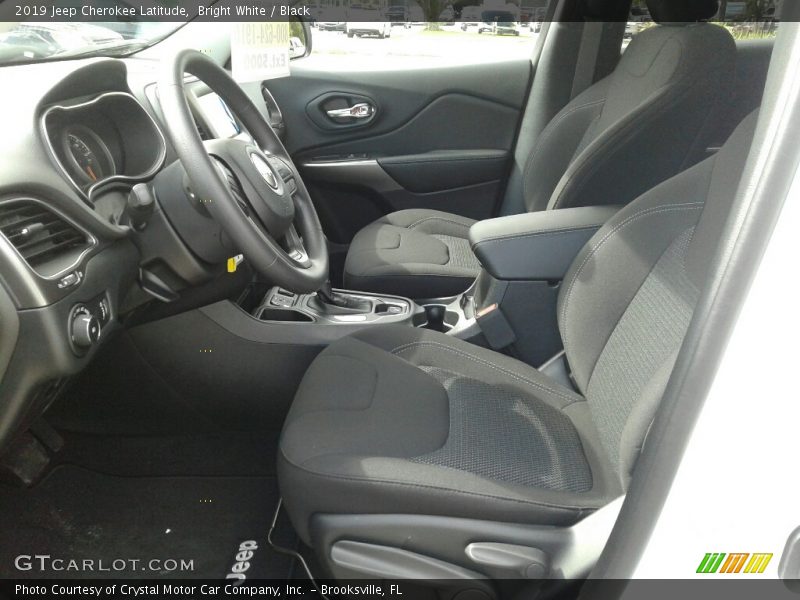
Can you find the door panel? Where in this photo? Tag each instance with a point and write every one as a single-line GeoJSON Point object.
{"type": "Point", "coordinates": [450, 121]}
{"type": "Point", "coordinates": [438, 138]}
{"type": "Point", "coordinates": [352, 192]}
{"type": "Point", "coordinates": [445, 169]}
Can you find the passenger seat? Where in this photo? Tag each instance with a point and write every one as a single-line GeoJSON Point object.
{"type": "Point", "coordinates": [646, 121]}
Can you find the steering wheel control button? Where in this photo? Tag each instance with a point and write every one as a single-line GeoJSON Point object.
{"type": "Point", "coordinates": [84, 328]}
{"type": "Point", "coordinates": [281, 167]}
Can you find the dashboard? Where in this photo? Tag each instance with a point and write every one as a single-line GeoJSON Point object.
{"type": "Point", "coordinates": [83, 150]}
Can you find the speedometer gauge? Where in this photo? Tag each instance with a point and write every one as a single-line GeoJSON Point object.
{"type": "Point", "coordinates": [88, 157]}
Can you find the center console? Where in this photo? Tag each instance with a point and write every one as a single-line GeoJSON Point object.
{"type": "Point", "coordinates": [338, 307]}
{"type": "Point", "coordinates": [274, 315]}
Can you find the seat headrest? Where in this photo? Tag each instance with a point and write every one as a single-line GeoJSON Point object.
{"type": "Point", "coordinates": [682, 11]}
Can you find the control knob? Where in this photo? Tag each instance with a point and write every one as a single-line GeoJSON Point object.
{"type": "Point", "coordinates": [84, 328]}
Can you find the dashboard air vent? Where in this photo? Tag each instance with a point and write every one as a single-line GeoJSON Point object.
{"type": "Point", "coordinates": [40, 235]}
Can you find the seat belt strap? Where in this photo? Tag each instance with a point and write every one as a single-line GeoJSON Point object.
{"type": "Point", "coordinates": [588, 54]}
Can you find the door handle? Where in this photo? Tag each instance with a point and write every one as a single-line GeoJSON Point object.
{"type": "Point", "coordinates": [362, 110]}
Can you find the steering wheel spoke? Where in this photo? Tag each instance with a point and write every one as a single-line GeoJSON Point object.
{"type": "Point", "coordinates": [295, 249]}
{"type": "Point", "coordinates": [233, 185]}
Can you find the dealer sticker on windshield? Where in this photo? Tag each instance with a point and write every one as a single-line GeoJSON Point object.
{"type": "Point", "coordinates": [260, 51]}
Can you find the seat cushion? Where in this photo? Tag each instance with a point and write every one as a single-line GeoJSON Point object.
{"type": "Point", "coordinates": [398, 420]}
{"type": "Point", "coordinates": [415, 253]}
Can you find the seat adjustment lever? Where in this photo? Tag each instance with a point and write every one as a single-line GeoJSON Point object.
{"type": "Point", "coordinates": [510, 560]}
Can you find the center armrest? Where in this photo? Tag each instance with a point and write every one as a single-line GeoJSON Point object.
{"type": "Point", "coordinates": [538, 245]}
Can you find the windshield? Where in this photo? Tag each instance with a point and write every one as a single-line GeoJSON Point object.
{"type": "Point", "coordinates": [497, 16]}
{"type": "Point", "coordinates": [35, 41]}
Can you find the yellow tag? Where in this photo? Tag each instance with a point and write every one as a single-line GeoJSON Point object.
{"type": "Point", "coordinates": [232, 264]}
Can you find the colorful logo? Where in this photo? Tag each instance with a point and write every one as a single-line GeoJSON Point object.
{"type": "Point", "coordinates": [742, 562]}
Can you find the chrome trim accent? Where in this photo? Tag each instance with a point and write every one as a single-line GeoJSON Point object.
{"type": "Point", "coordinates": [157, 164]}
{"type": "Point", "coordinates": [362, 110]}
{"type": "Point", "coordinates": [350, 318]}
{"type": "Point", "coordinates": [74, 264]}
{"type": "Point", "coordinates": [366, 171]}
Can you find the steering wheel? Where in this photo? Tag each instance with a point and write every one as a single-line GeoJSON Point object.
{"type": "Point", "coordinates": [252, 188]}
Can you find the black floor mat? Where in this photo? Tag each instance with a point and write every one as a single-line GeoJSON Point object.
{"type": "Point", "coordinates": [75, 513]}
{"type": "Point", "coordinates": [207, 454]}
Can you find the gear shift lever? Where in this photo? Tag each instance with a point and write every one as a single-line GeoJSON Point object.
{"type": "Point", "coordinates": [325, 293]}
{"type": "Point", "coordinates": [331, 300]}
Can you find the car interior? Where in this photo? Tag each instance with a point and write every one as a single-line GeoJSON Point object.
{"type": "Point", "coordinates": [422, 339]}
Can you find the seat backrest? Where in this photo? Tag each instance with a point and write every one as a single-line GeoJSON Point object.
{"type": "Point", "coordinates": [626, 301]}
{"type": "Point", "coordinates": [649, 119]}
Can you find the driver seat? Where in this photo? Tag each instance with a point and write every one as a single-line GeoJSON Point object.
{"type": "Point", "coordinates": [404, 421]}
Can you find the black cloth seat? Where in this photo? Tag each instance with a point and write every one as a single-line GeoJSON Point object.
{"type": "Point", "coordinates": [404, 420]}
{"type": "Point", "coordinates": [400, 420]}
{"type": "Point", "coordinates": [416, 253]}
{"type": "Point", "coordinates": [651, 118]}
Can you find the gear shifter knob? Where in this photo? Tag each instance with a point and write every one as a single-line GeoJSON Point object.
{"type": "Point", "coordinates": [326, 293]}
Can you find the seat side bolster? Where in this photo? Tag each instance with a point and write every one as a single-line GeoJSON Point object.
{"type": "Point", "coordinates": [557, 144]}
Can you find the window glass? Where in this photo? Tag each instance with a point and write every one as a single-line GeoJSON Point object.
{"type": "Point", "coordinates": [746, 19]}
{"type": "Point", "coordinates": [385, 34]}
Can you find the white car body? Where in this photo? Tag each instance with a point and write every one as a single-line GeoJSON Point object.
{"type": "Point", "coordinates": [382, 29]}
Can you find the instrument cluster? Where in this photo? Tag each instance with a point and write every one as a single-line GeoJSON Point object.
{"type": "Point", "coordinates": [109, 140]}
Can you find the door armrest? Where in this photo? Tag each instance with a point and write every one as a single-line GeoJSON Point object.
{"type": "Point", "coordinates": [538, 245]}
